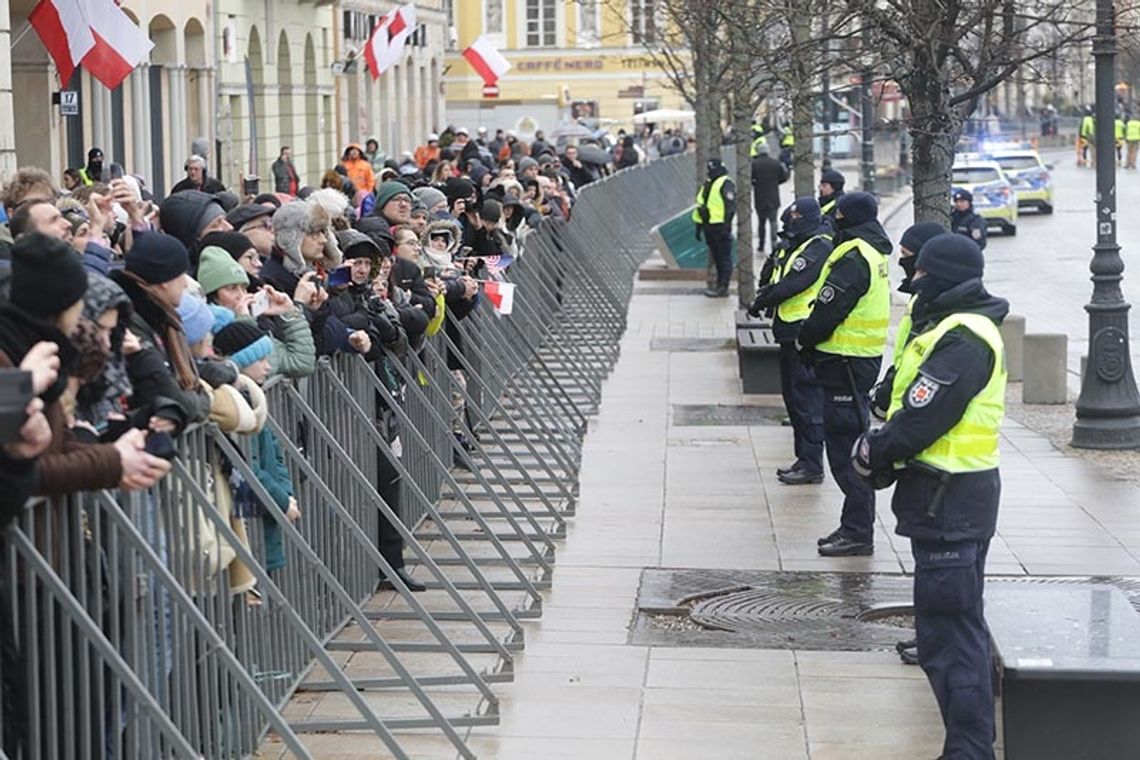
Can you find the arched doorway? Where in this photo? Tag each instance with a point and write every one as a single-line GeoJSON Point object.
{"type": "Point", "coordinates": [198, 89]}
{"type": "Point", "coordinates": [256, 146]}
{"type": "Point", "coordinates": [284, 95]}
{"type": "Point", "coordinates": [164, 57]}
{"type": "Point", "coordinates": [306, 167]}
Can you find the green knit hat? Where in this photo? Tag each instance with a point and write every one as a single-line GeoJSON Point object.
{"type": "Point", "coordinates": [217, 269]}
{"type": "Point", "coordinates": [390, 190]}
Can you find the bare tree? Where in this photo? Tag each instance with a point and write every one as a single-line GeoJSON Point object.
{"type": "Point", "coordinates": [945, 56]}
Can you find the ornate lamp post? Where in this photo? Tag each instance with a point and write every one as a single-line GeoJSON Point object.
{"type": "Point", "coordinates": [1108, 410]}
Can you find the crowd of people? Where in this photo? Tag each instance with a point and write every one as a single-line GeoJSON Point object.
{"type": "Point", "coordinates": [136, 318]}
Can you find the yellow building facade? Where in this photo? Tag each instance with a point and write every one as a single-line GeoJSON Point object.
{"type": "Point", "coordinates": [569, 58]}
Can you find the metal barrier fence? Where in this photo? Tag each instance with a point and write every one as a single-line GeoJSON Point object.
{"type": "Point", "coordinates": [185, 622]}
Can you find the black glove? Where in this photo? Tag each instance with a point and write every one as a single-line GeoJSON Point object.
{"type": "Point", "coordinates": [807, 354]}
{"type": "Point", "coordinates": [385, 329]}
{"type": "Point", "coordinates": [217, 373]}
{"type": "Point", "coordinates": [760, 303]}
{"type": "Point", "coordinates": [700, 233]}
{"type": "Point", "coordinates": [881, 395]}
{"type": "Point", "coordinates": [861, 463]}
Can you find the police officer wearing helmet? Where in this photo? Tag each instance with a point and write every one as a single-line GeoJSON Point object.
{"type": "Point", "coordinates": [831, 185]}
{"type": "Point", "coordinates": [793, 286]}
{"type": "Point", "coordinates": [716, 206]}
{"type": "Point", "coordinates": [940, 447]}
{"type": "Point", "coordinates": [845, 335]}
{"type": "Point", "coordinates": [965, 221]}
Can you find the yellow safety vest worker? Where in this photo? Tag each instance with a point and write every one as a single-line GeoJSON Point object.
{"type": "Point", "coordinates": [972, 444]}
{"type": "Point", "coordinates": [83, 175]}
{"type": "Point", "coordinates": [798, 307]}
{"type": "Point", "coordinates": [715, 203]}
{"type": "Point", "coordinates": [1119, 129]}
{"type": "Point", "coordinates": [754, 149]}
{"type": "Point", "coordinates": [828, 207]}
{"type": "Point", "coordinates": [864, 331]}
{"type": "Point", "coordinates": [787, 138]}
{"type": "Point", "coordinates": [1088, 127]}
{"type": "Point", "coordinates": [902, 335]}
{"type": "Point", "coordinates": [1132, 130]}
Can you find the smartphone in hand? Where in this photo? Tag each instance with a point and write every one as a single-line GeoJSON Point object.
{"type": "Point", "coordinates": [260, 304]}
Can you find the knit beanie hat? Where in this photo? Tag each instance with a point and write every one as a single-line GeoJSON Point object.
{"type": "Point", "coordinates": [525, 163]}
{"type": "Point", "coordinates": [458, 187]}
{"type": "Point", "coordinates": [961, 194]}
{"type": "Point", "coordinates": [951, 258]}
{"type": "Point", "coordinates": [388, 191]}
{"type": "Point", "coordinates": [809, 218]}
{"type": "Point", "coordinates": [491, 211]}
{"type": "Point", "coordinates": [833, 178]}
{"type": "Point", "coordinates": [429, 196]}
{"type": "Point", "coordinates": [357, 245]}
{"type": "Point", "coordinates": [157, 258]}
{"type": "Point", "coordinates": [222, 317]}
{"type": "Point", "coordinates": [217, 269]}
{"type": "Point", "coordinates": [186, 213]}
{"type": "Point", "coordinates": [857, 208]}
{"type": "Point", "coordinates": [233, 243]}
{"type": "Point", "coordinates": [243, 343]}
{"type": "Point", "coordinates": [47, 275]}
{"type": "Point", "coordinates": [197, 318]}
{"type": "Point", "coordinates": [917, 234]}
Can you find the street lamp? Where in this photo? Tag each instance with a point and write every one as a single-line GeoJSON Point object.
{"type": "Point", "coordinates": [1108, 410]}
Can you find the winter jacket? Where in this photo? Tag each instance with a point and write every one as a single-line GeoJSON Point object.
{"type": "Point", "coordinates": [767, 176]}
{"type": "Point", "coordinates": [328, 333]}
{"type": "Point", "coordinates": [285, 178]}
{"type": "Point", "coordinates": [294, 352]}
{"type": "Point", "coordinates": [359, 171]}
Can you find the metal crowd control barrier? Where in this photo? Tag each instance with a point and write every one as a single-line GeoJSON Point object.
{"type": "Point", "coordinates": [147, 625]}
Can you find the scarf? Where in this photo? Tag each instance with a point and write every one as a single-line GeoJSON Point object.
{"type": "Point", "coordinates": [172, 337]}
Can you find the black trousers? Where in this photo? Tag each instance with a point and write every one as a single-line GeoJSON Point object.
{"type": "Point", "coordinates": [388, 486]}
{"type": "Point", "coordinates": [803, 399]}
{"type": "Point", "coordinates": [719, 239]}
{"type": "Point", "coordinates": [845, 418]}
{"type": "Point", "coordinates": [771, 217]}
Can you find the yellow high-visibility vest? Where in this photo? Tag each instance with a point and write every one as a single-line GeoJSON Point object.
{"type": "Point", "coordinates": [972, 444]}
{"type": "Point", "coordinates": [864, 332]}
{"type": "Point", "coordinates": [715, 203]}
{"type": "Point", "coordinates": [798, 307]}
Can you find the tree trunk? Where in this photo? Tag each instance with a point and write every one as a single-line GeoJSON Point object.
{"type": "Point", "coordinates": [803, 164]}
{"type": "Point", "coordinates": [708, 138]}
{"type": "Point", "coordinates": [935, 127]}
{"type": "Point", "coordinates": [745, 272]}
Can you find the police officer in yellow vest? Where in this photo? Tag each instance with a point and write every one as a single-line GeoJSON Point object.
{"type": "Point", "coordinates": [1118, 136]}
{"type": "Point", "coordinates": [845, 336]}
{"type": "Point", "coordinates": [1132, 139]}
{"type": "Point", "coordinates": [1087, 138]}
{"type": "Point", "coordinates": [93, 171]}
{"type": "Point", "coordinates": [831, 185]}
{"type": "Point", "coordinates": [759, 137]}
{"type": "Point", "coordinates": [787, 145]}
{"type": "Point", "coordinates": [716, 207]}
{"type": "Point", "coordinates": [793, 286]}
{"type": "Point", "coordinates": [940, 447]}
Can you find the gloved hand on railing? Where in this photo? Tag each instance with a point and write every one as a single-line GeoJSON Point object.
{"type": "Point", "coordinates": [140, 469]}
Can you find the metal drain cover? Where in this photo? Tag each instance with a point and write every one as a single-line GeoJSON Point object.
{"type": "Point", "coordinates": [846, 612]}
{"type": "Point", "coordinates": [692, 344]}
{"type": "Point", "coordinates": [725, 414]}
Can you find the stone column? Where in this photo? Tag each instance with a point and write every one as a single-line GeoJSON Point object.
{"type": "Point", "coordinates": [8, 159]}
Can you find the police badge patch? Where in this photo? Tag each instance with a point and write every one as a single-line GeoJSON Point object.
{"type": "Point", "coordinates": [826, 293]}
{"type": "Point", "coordinates": [799, 264]}
{"type": "Point", "coordinates": [922, 392]}
{"type": "Point", "coordinates": [976, 233]}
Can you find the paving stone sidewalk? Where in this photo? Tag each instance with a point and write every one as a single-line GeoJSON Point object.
{"type": "Point", "coordinates": [655, 494]}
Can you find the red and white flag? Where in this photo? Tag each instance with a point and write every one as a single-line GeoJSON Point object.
{"type": "Point", "coordinates": [487, 61]}
{"type": "Point", "coordinates": [95, 33]}
{"type": "Point", "coordinates": [385, 45]}
{"type": "Point", "coordinates": [501, 295]}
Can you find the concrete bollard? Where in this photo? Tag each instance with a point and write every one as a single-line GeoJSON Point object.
{"type": "Point", "coordinates": [1013, 335]}
{"type": "Point", "coordinates": [1045, 369]}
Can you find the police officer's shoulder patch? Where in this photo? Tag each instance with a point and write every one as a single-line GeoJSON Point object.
{"type": "Point", "coordinates": [923, 391]}
{"type": "Point", "coordinates": [976, 233]}
{"type": "Point", "coordinates": [799, 264]}
{"type": "Point", "coordinates": [826, 294]}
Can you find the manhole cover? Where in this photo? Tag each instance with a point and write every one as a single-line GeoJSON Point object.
{"type": "Point", "coordinates": [692, 344]}
{"type": "Point", "coordinates": [724, 414]}
{"type": "Point", "coordinates": [848, 612]}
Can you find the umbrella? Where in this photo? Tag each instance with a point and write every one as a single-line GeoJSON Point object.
{"type": "Point", "coordinates": [592, 154]}
{"type": "Point", "coordinates": [569, 130]}
{"type": "Point", "coordinates": [663, 114]}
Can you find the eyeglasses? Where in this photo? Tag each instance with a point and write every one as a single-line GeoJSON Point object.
{"type": "Point", "coordinates": [401, 199]}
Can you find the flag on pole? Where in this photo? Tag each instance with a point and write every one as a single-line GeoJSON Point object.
{"type": "Point", "coordinates": [487, 61]}
{"type": "Point", "coordinates": [95, 33]}
{"type": "Point", "coordinates": [501, 295]}
{"type": "Point", "coordinates": [499, 263]}
{"type": "Point", "coordinates": [386, 43]}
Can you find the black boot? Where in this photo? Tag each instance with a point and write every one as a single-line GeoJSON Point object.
{"type": "Point", "coordinates": [409, 581]}
{"type": "Point", "coordinates": [846, 547]}
{"type": "Point", "coordinates": [800, 476]}
{"type": "Point", "coordinates": [720, 291]}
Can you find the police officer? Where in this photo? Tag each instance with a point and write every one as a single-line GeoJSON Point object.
{"type": "Point", "coordinates": [767, 176]}
{"type": "Point", "coordinates": [793, 287]}
{"type": "Point", "coordinates": [716, 206]}
{"type": "Point", "coordinates": [759, 138]}
{"type": "Point", "coordinates": [787, 145]}
{"type": "Point", "coordinates": [1118, 138]}
{"type": "Point", "coordinates": [831, 185]}
{"type": "Point", "coordinates": [940, 446]}
{"type": "Point", "coordinates": [844, 336]}
{"type": "Point", "coordinates": [910, 244]}
{"type": "Point", "coordinates": [965, 221]}
{"type": "Point", "coordinates": [1087, 155]}
{"type": "Point", "coordinates": [93, 171]}
{"type": "Point", "coordinates": [1132, 138]}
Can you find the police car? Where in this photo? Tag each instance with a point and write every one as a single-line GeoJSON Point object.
{"type": "Point", "coordinates": [1030, 176]}
{"type": "Point", "coordinates": [994, 197]}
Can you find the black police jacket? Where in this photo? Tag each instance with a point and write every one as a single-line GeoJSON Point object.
{"type": "Point", "coordinates": [971, 225]}
{"type": "Point", "coordinates": [954, 371]}
{"type": "Point", "coordinates": [805, 271]}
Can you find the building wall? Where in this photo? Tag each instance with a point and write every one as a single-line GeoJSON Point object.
{"type": "Point", "coordinates": [406, 102]}
{"type": "Point", "coordinates": [609, 69]}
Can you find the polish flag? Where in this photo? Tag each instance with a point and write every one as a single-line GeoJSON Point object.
{"type": "Point", "coordinates": [389, 36]}
{"type": "Point", "coordinates": [62, 27]}
{"type": "Point", "coordinates": [486, 60]}
{"type": "Point", "coordinates": [501, 295]}
{"type": "Point", "coordinates": [95, 33]}
{"type": "Point", "coordinates": [120, 44]}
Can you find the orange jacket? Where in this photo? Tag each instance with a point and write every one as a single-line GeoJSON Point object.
{"type": "Point", "coordinates": [426, 154]}
{"type": "Point", "coordinates": [359, 171]}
